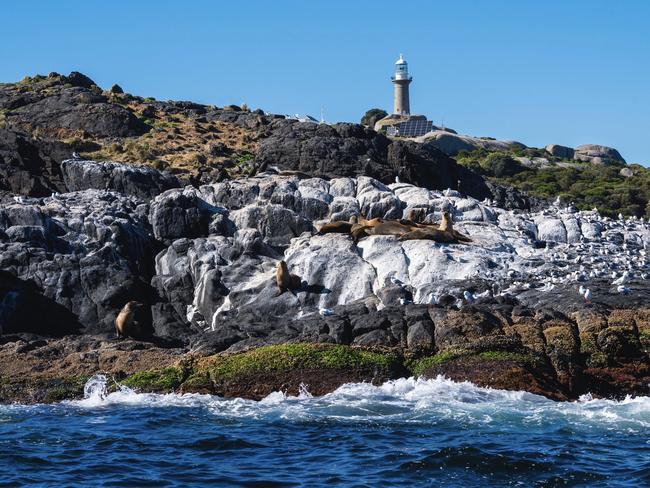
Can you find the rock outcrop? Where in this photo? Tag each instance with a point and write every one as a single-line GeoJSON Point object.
{"type": "Point", "coordinates": [137, 181]}
{"type": "Point", "coordinates": [593, 153]}
{"type": "Point", "coordinates": [560, 151]}
{"type": "Point", "coordinates": [451, 143]}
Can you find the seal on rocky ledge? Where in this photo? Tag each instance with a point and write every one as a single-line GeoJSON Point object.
{"type": "Point", "coordinates": [337, 227]}
{"type": "Point", "coordinates": [446, 225]}
{"type": "Point", "coordinates": [285, 280]}
{"type": "Point", "coordinates": [125, 323]}
{"type": "Point", "coordinates": [445, 233]}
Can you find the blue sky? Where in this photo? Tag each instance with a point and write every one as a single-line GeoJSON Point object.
{"type": "Point", "coordinates": [565, 72]}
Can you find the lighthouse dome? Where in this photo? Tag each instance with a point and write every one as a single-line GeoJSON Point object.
{"type": "Point", "coordinates": [401, 60]}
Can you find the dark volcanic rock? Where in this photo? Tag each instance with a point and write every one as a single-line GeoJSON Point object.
{"type": "Point", "coordinates": [77, 108]}
{"type": "Point", "coordinates": [89, 252]}
{"type": "Point", "coordinates": [425, 165]}
{"type": "Point", "coordinates": [137, 181]}
{"type": "Point", "coordinates": [354, 150]}
{"type": "Point", "coordinates": [24, 309]}
{"type": "Point", "coordinates": [29, 166]}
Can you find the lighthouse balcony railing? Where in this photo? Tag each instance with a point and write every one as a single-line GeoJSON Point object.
{"type": "Point", "coordinates": [401, 78]}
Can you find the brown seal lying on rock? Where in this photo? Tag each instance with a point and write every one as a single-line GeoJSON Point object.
{"type": "Point", "coordinates": [337, 227]}
{"type": "Point", "coordinates": [445, 233]}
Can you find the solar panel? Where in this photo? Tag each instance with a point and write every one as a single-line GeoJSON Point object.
{"type": "Point", "coordinates": [411, 128]}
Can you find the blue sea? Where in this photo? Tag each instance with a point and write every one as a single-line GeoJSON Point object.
{"type": "Point", "coordinates": [406, 432]}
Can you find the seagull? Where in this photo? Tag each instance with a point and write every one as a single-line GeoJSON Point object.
{"type": "Point", "coordinates": [325, 312]}
{"type": "Point", "coordinates": [395, 281]}
{"type": "Point", "coordinates": [396, 179]}
{"type": "Point", "coordinates": [75, 155]}
{"type": "Point", "coordinates": [20, 199]}
{"type": "Point", "coordinates": [622, 279]}
{"type": "Point", "coordinates": [469, 296]}
{"type": "Point", "coordinates": [484, 294]}
{"type": "Point", "coordinates": [582, 290]}
{"type": "Point", "coordinates": [623, 289]}
{"type": "Point", "coordinates": [587, 295]}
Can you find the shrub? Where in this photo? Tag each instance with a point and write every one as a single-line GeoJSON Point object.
{"type": "Point", "coordinates": [372, 116]}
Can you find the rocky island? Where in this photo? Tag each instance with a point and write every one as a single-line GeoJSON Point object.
{"type": "Point", "coordinates": [187, 209]}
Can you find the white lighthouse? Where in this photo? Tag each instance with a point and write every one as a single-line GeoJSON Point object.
{"type": "Point", "coordinates": [401, 81]}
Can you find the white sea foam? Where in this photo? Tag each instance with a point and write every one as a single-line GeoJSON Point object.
{"type": "Point", "coordinates": [402, 400]}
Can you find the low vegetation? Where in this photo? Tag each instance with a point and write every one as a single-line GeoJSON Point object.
{"type": "Point", "coordinates": [267, 359]}
{"type": "Point", "coordinates": [583, 184]}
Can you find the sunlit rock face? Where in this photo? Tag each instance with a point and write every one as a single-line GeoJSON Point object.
{"type": "Point", "coordinates": [201, 257]}
{"type": "Point", "coordinates": [516, 253]}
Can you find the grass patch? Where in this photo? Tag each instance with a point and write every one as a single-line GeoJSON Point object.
{"type": "Point", "coordinates": [156, 380]}
{"type": "Point", "coordinates": [285, 357]}
{"type": "Point", "coordinates": [418, 366]}
{"type": "Point", "coordinates": [244, 158]}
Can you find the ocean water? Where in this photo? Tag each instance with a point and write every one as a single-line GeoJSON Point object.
{"type": "Point", "coordinates": [406, 432]}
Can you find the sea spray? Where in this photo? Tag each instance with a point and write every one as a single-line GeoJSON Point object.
{"type": "Point", "coordinates": [404, 432]}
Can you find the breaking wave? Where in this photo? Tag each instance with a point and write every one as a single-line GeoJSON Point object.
{"type": "Point", "coordinates": [405, 432]}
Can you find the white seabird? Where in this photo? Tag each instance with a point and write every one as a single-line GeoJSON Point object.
{"type": "Point", "coordinates": [622, 279]}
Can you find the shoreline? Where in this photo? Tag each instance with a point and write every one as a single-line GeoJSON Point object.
{"type": "Point", "coordinates": [32, 372]}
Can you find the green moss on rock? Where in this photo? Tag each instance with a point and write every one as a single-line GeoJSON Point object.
{"type": "Point", "coordinates": [156, 380]}
{"type": "Point", "coordinates": [418, 367]}
{"type": "Point", "coordinates": [285, 357]}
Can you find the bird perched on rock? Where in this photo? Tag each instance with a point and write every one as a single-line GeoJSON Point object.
{"type": "Point", "coordinates": [75, 155]}
{"type": "Point", "coordinates": [622, 279]}
{"type": "Point", "coordinates": [587, 295]}
{"type": "Point", "coordinates": [623, 289]}
{"type": "Point", "coordinates": [325, 312]}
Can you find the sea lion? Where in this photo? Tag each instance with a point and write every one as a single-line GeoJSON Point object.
{"type": "Point", "coordinates": [446, 225]}
{"type": "Point", "coordinates": [125, 323]}
{"type": "Point", "coordinates": [390, 227]}
{"type": "Point", "coordinates": [338, 227]}
{"type": "Point", "coordinates": [285, 280]}
{"type": "Point", "coordinates": [430, 234]}
{"type": "Point", "coordinates": [371, 222]}
{"type": "Point", "coordinates": [359, 231]}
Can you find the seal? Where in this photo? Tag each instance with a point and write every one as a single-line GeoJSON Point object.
{"type": "Point", "coordinates": [429, 233]}
{"type": "Point", "coordinates": [337, 227]}
{"type": "Point", "coordinates": [285, 280]}
{"type": "Point", "coordinates": [390, 228]}
{"type": "Point", "coordinates": [370, 223]}
{"type": "Point", "coordinates": [445, 233]}
{"type": "Point", "coordinates": [446, 225]}
{"type": "Point", "coordinates": [359, 231]}
{"type": "Point", "coordinates": [125, 323]}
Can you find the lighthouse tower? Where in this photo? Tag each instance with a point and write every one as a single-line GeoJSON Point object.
{"type": "Point", "coordinates": [401, 81]}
